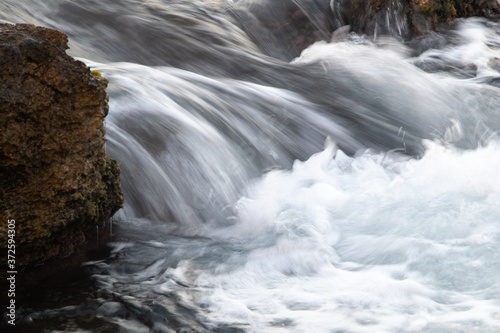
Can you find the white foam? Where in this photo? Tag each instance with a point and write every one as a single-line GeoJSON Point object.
{"type": "Point", "coordinates": [372, 243]}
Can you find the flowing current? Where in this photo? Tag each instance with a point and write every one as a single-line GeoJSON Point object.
{"type": "Point", "coordinates": [349, 185]}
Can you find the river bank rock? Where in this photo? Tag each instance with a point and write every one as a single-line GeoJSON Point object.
{"type": "Point", "coordinates": [407, 18]}
{"type": "Point", "coordinates": [283, 29]}
{"type": "Point", "coordinates": [56, 180]}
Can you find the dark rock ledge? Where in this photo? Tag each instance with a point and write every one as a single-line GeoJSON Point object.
{"type": "Point", "coordinates": [56, 180]}
{"type": "Point", "coordinates": [409, 18]}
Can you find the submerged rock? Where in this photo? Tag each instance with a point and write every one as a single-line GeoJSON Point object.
{"type": "Point", "coordinates": [56, 180]}
{"type": "Point", "coordinates": [282, 29]}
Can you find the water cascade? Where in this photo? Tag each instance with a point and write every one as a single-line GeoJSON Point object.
{"type": "Point", "coordinates": [348, 186]}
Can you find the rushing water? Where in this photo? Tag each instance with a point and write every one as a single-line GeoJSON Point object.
{"type": "Point", "coordinates": [349, 187]}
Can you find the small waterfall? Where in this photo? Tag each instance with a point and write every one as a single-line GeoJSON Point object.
{"type": "Point", "coordinates": [335, 8]}
{"type": "Point", "coordinates": [189, 144]}
{"type": "Point", "coordinates": [377, 19]}
{"type": "Point", "coordinates": [349, 183]}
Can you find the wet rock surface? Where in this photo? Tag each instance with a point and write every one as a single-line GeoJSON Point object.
{"type": "Point", "coordinates": [407, 18]}
{"type": "Point", "coordinates": [283, 29]}
{"type": "Point", "coordinates": [56, 180]}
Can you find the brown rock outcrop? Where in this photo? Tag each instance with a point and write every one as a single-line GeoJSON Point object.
{"type": "Point", "coordinates": [56, 180]}
{"type": "Point", "coordinates": [408, 18]}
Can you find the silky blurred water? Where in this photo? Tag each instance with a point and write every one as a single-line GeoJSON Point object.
{"type": "Point", "coordinates": [351, 186]}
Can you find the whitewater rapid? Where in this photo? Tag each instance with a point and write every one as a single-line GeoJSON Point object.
{"type": "Point", "coordinates": [373, 242]}
{"type": "Point", "coordinates": [378, 242]}
{"type": "Point", "coordinates": [354, 188]}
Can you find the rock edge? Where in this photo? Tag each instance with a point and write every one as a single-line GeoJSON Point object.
{"type": "Point", "coordinates": [56, 180]}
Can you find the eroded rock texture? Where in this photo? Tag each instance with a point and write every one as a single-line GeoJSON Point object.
{"type": "Point", "coordinates": [407, 18]}
{"type": "Point", "coordinates": [56, 180]}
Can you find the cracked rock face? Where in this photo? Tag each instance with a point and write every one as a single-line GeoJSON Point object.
{"type": "Point", "coordinates": [56, 180]}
